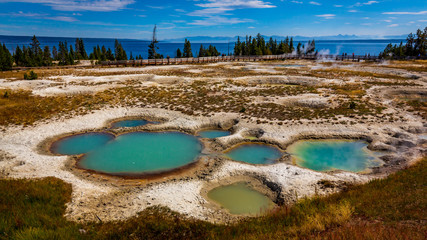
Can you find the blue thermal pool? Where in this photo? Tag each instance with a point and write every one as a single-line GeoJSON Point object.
{"type": "Point", "coordinates": [238, 198]}
{"type": "Point", "coordinates": [140, 153]}
{"type": "Point", "coordinates": [255, 154]}
{"type": "Point", "coordinates": [80, 143]}
{"type": "Point", "coordinates": [214, 133]}
{"type": "Point", "coordinates": [326, 155]}
{"type": "Point", "coordinates": [130, 123]}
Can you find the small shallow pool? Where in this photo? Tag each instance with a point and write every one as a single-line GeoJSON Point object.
{"type": "Point", "coordinates": [130, 123]}
{"type": "Point", "coordinates": [80, 143]}
{"type": "Point", "coordinates": [326, 155]}
{"type": "Point", "coordinates": [255, 154]}
{"type": "Point", "coordinates": [239, 198]}
{"type": "Point", "coordinates": [214, 133]}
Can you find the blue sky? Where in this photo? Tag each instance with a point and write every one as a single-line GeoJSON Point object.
{"type": "Point", "coordinates": [136, 18]}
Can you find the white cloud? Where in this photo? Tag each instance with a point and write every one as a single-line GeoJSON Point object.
{"type": "Point", "coordinates": [326, 16]}
{"type": "Point", "coordinates": [393, 25]}
{"type": "Point", "coordinates": [315, 3]}
{"type": "Point", "coordinates": [338, 6]}
{"type": "Point", "coordinates": [236, 4]}
{"type": "Point", "coordinates": [81, 5]}
{"type": "Point", "coordinates": [297, 2]}
{"type": "Point", "coordinates": [352, 11]}
{"type": "Point", "coordinates": [405, 13]}
{"type": "Point", "coordinates": [40, 16]}
{"type": "Point", "coordinates": [217, 20]}
{"type": "Point", "coordinates": [156, 7]}
{"type": "Point", "coordinates": [210, 11]}
{"type": "Point", "coordinates": [422, 20]}
{"type": "Point", "coordinates": [387, 20]}
{"type": "Point", "coordinates": [370, 2]}
{"type": "Point", "coordinates": [251, 27]}
{"type": "Point", "coordinates": [214, 11]}
{"type": "Point", "coordinates": [62, 18]}
{"type": "Point", "coordinates": [359, 4]}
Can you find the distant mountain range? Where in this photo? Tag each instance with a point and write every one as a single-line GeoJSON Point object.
{"type": "Point", "coordinates": [208, 39]}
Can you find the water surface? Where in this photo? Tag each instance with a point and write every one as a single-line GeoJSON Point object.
{"type": "Point", "coordinates": [326, 155]}
{"type": "Point", "coordinates": [214, 133]}
{"type": "Point", "coordinates": [140, 153]}
{"type": "Point", "coordinates": [238, 198]}
{"type": "Point", "coordinates": [255, 154]}
{"type": "Point", "coordinates": [81, 143]}
{"type": "Point", "coordinates": [130, 123]}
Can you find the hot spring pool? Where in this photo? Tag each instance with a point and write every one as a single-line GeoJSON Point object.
{"type": "Point", "coordinates": [238, 198]}
{"type": "Point", "coordinates": [80, 143]}
{"type": "Point", "coordinates": [137, 153]}
{"type": "Point", "coordinates": [255, 154]}
{"type": "Point", "coordinates": [326, 155]}
{"type": "Point", "coordinates": [214, 133]}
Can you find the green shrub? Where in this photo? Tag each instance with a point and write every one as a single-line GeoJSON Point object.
{"type": "Point", "coordinates": [31, 76]}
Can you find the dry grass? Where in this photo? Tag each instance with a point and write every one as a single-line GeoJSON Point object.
{"type": "Point", "coordinates": [391, 208]}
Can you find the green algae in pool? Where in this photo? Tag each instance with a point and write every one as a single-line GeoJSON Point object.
{"type": "Point", "coordinates": [81, 143]}
{"type": "Point", "coordinates": [214, 133]}
{"type": "Point", "coordinates": [326, 155]}
{"type": "Point", "coordinates": [130, 123]}
{"type": "Point", "coordinates": [255, 154]}
{"type": "Point", "coordinates": [238, 198]}
{"type": "Point", "coordinates": [140, 153]}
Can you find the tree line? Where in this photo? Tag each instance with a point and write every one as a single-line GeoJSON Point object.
{"type": "Point", "coordinates": [257, 46]}
{"type": "Point", "coordinates": [210, 51]}
{"type": "Point", "coordinates": [65, 54]}
{"type": "Point", "coordinates": [415, 46]}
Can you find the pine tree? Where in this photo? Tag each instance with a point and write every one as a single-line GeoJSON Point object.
{"type": "Point", "coordinates": [47, 58]}
{"type": "Point", "coordinates": [291, 45]}
{"type": "Point", "coordinates": [202, 52]}
{"type": "Point", "coordinates": [152, 48]}
{"type": "Point", "coordinates": [187, 49]}
{"type": "Point", "coordinates": [54, 53]}
{"type": "Point", "coordinates": [238, 47]}
{"type": "Point", "coordinates": [18, 57]}
{"type": "Point", "coordinates": [36, 53]}
{"type": "Point", "coordinates": [6, 60]}
{"type": "Point", "coordinates": [77, 47]}
{"type": "Point", "coordinates": [178, 53]}
{"type": "Point", "coordinates": [63, 55]}
{"type": "Point", "coordinates": [299, 48]}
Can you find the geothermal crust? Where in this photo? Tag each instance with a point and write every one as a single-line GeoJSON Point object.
{"type": "Point", "coordinates": [113, 198]}
{"type": "Point", "coordinates": [24, 150]}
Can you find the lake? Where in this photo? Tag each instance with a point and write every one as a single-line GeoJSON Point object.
{"type": "Point", "coordinates": [140, 47]}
